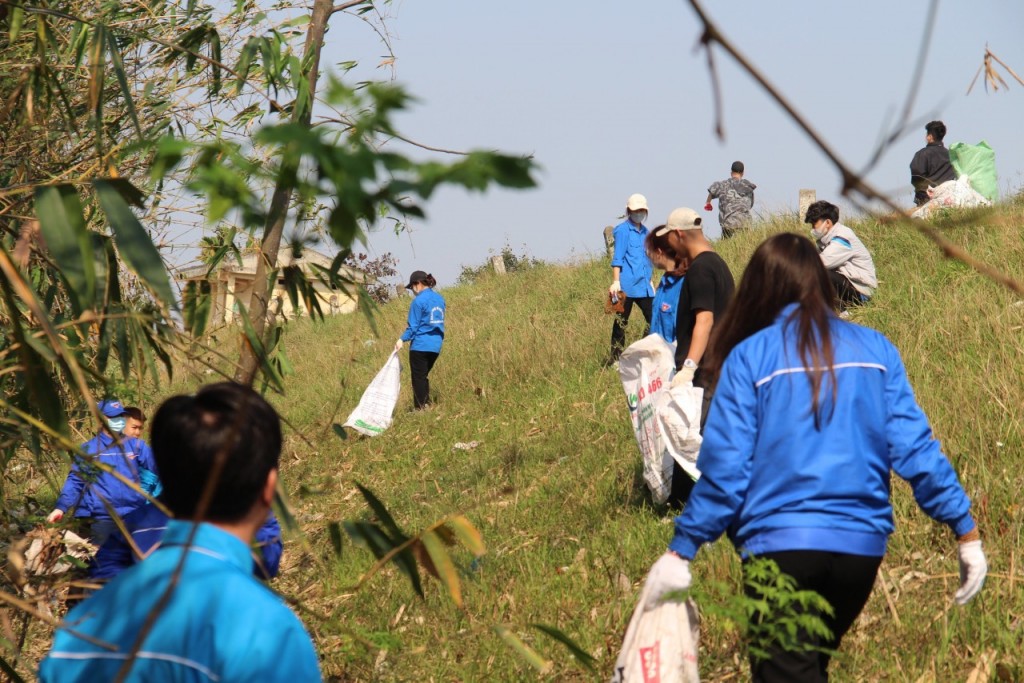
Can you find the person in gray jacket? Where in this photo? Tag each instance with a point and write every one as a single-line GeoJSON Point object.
{"type": "Point", "coordinates": [845, 257]}
{"type": "Point", "coordinates": [735, 197]}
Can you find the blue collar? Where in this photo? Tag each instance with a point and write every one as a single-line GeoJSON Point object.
{"type": "Point", "coordinates": [210, 540]}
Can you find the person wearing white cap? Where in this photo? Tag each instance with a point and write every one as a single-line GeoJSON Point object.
{"type": "Point", "coordinates": [631, 271]}
{"type": "Point", "coordinates": [707, 290]}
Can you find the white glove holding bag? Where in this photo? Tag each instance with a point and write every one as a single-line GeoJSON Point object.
{"type": "Point", "coordinates": [616, 288]}
{"type": "Point", "coordinates": [55, 516]}
{"type": "Point", "coordinates": [398, 345]}
{"type": "Point", "coordinates": [670, 573]}
{"type": "Point", "coordinates": [973, 569]}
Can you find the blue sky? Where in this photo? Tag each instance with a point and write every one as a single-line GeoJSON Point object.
{"type": "Point", "coordinates": [613, 98]}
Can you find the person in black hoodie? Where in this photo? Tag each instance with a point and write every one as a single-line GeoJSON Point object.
{"type": "Point", "coordinates": [930, 166]}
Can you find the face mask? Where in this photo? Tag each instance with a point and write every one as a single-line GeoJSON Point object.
{"type": "Point", "coordinates": [637, 217]}
{"type": "Point", "coordinates": [117, 424]}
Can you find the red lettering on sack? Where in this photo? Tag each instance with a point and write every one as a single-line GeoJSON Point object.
{"type": "Point", "coordinates": [650, 664]}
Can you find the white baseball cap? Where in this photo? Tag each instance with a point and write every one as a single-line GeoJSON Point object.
{"type": "Point", "coordinates": [681, 219]}
{"type": "Point", "coordinates": [636, 202]}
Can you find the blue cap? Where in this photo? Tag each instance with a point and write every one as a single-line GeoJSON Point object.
{"type": "Point", "coordinates": [111, 407]}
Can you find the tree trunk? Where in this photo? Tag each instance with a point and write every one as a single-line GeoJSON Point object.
{"type": "Point", "coordinates": [278, 214]}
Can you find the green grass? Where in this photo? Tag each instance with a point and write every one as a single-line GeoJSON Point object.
{"type": "Point", "coordinates": [555, 485]}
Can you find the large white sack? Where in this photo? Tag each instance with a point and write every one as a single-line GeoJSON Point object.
{"type": "Point", "coordinates": [951, 194]}
{"type": "Point", "coordinates": [373, 414]}
{"type": "Point", "coordinates": [660, 644]}
{"type": "Point", "coordinates": [645, 369]}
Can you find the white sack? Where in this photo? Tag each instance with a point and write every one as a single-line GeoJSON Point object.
{"type": "Point", "coordinates": [678, 416]}
{"type": "Point", "coordinates": [645, 369]}
{"type": "Point", "coordinates": [660, 644]}
{"type": "Point", "coordinates": [373, 414]}
{"type": "Point", "coordinates": [951, 194]}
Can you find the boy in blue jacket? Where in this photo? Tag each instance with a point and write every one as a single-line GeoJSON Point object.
{"type": "Point", "coordinates": [93, 492]}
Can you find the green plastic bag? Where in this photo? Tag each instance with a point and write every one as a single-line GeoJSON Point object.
{"type": "Point", "coordinates": [978, 162]}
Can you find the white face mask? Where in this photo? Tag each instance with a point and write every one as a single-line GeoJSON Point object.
{"type": "Point", "coordinates": [117, 424]}
{"type": "Point", "coordinates": [638, 217]}
{"type": "Point", "coordinates": [819, 233]}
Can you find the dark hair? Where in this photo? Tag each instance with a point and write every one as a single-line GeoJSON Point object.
{"type": "Point", "coordinates": [937, 129]}
{"type": "Point", "coordinates": [135, 413]}
{"type": "Point", "coordinates": [224, 430]}
{"type": "Point", "coordinates": [653, 243]}
{"type": "Point", "coordinates": [737, 167]}
{"type": "Point", "coordinates": [784, 269]}
{"type": "Point", "coordinates": [821, 210]}
{"type": "Point", "coordinates": [429, 281]}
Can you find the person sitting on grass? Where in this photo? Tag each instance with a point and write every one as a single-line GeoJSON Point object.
{"type": "Point", "coordinates": [847, 260]}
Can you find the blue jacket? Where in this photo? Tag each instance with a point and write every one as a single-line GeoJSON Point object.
{"type": "Point", "coordinates": [147, 525]}
{"type": "Point", "coordinates": [773, 482]}
{"type": "Point", "coordinates": [631, 257]}
{"type": "Point", "coordinates": [426, 322]}
{"type": "Point", "coordinates": [219, 624]}
{"type": "Point", "coordinates": [666, 301]}
{"type": "Point", "coordinates": [88, 494]}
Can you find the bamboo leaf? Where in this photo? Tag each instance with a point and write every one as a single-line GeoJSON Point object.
{"type": "Point", "coordinates": [469, 535]}
{"type": "Point", "coordinates": [63, 226]}
{"type": "Point", "coordinates": [578, 652]}
{"type": "Point", "coordinates": [133, 242]}
{"type": "Point", "coordinates": [122, 79]}
{"type": "Point", "coordinates": [270, 373]}
{"type": "Point", "coordinates": [444, 568]}
{"type": "Point", "coordinates": [523, 650]}
{"type": "Point", "coordinates": [17, 16]}
{"type": "Point", "coordinates": [382, 513]}
{"type": "Point", "coordinates": [197, 303]}
{"type": "Point", "coordinates": [334, 531]}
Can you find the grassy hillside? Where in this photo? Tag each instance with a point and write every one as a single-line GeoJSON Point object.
{"type": "Point", "coordinates": [554, 484]}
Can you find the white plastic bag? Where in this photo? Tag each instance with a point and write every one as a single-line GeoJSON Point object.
{"type": "Point", "coordinates": [678, 416]}
{"type": "Point", "coordinates": [952, 193]}
{"type": "Point", "coordinates": [373, 414]}
{"type": "Point", "coordinates": [646, 368]}
{"type": "Point", "coordinates": [660, 644]}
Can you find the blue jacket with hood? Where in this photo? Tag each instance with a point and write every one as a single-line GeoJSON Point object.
{"type": "Point", "coordinates": [773, 481]}
{"type": "Point", "coordinates": [86, 487]}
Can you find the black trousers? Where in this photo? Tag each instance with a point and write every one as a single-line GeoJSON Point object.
{"type": "Point", "coordinates": [420, 363]}
{"type": "Point", "coordinates": [619, 326]}
{"type": "Point", "coordinates": [847, 293]}
{"type": "Point", "coordinates": [845, 581]}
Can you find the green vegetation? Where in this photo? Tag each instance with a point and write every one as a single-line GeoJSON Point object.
{"type": "Point", "coordinates": [554, 484]}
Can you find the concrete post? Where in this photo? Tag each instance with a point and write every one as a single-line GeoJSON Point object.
{"type": "Point", "coordinates": [807, 197]}
{"type": "Point", "coordinates": [498, 264]}
{"type": "Point", "coordinates": [609, 240]}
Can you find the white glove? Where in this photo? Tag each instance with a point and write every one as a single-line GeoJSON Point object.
{"type": "Point", "coordinates": [670, 573]}
{"type": "Point", "coordinates": [398, 345]}
{"type": "Point", "coordinates": [684, 376]}
{"type": "Point", "coordinates": [615, 288]}
{"type": "Point", "coordinates": [973, 569]}
{"type": "Point", "coordinates": [55, 516]}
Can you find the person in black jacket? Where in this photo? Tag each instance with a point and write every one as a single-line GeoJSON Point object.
{"type": "Point", "coordinates": [930, 166]}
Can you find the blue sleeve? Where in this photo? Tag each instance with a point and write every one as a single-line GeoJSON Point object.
{"type": "Point", "coordinates": [71, 492]}
{"type": "Point", "coordinates": [917, 457]}
{"type": "Point", "coordinates": [621, 244]}
{"type": "Point", "coordinates": [268, 540]}
{"type": "Point", "coordinates": [146, 458]}
{"type": "Point", "coordinates": [415, 313]}
{"type": "Point", "coordinates": [725, 460]}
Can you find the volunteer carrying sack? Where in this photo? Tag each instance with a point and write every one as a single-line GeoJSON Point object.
{"type": "Point", "coordinates": [645, 369]}
{"type": "Point", "coordinates": [373, 414]}
{"type": "Point", "coordinates": [660, 644]}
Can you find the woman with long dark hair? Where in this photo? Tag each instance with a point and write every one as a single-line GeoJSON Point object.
{"type": "Point", "coordinates": [810, 415]}
{"type": "Point", "coordinates": [425, 334]}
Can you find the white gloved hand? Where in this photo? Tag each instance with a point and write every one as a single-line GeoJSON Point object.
{"type": "Point", "coordinates": [616, 288]}
{"type": "Point", "coordinates": [670, 573]}
{"type": "Point", "coordinates": [973, 568]}
{"type": "Point", "coordinates": [398, 345]}
{"type": "Point", "coordinates": [55, 516]}
{"type": "Point", "coordinates": [683, 376]}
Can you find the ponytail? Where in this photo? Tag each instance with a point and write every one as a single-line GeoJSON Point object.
{"type": "Point", "coordinates": [429, 281]}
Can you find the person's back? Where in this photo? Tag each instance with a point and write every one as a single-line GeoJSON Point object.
{"type": "Point", "coordinates": [220, 623]}
{"type": "Point", "coordinates": [930, 165]}
{"type": "Point", "coordinates": [735, 197]}
{"type": "Point", "coordinates": [218, 452]}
